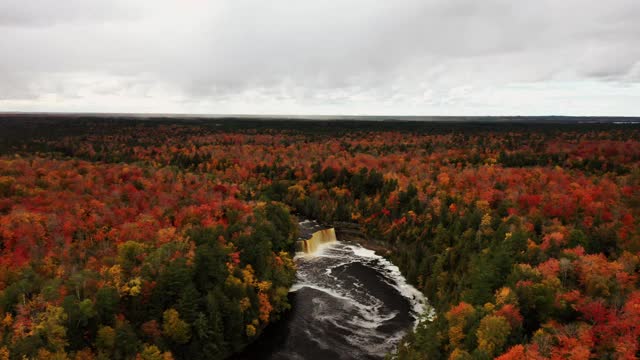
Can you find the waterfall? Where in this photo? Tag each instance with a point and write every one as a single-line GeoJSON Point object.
{"type": "Point", "coordinates": [324, 236]}
{"type": "Point", "coordinates": [347, 303]}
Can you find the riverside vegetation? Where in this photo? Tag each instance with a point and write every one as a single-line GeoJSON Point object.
{"type": "Point", "coordinates": [165, 238]}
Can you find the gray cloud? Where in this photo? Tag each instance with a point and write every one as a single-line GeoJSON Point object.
{"type": "Point", "coordinates": [350, 54]}
{"type": "Point", "coordinates": [52, 12]}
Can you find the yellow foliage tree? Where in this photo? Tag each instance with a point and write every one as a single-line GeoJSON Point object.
{"type": "Point", "coordinates": [245, 303]}
{"type": "Point", "coordinates": [106, 338]}
{"type": "Point", "coordinates": [249, 275]}
{"type": "Point", "coordinates": [459, 354]}
{"type": "Point", "coordinates": [44, 354]}
{"type": "Point", "coordinates": [84, 354]}
{"type": "Point", "coordinates": [492, 334]}
{"type": "Point", "coordinates": [175, 328]}
{"type": "Point", "coordinates": [151, 352]}
{"type": "Point", "coordinates": [251, 330]}
{"type": "Point", "coordinates": [505, 295]}
{"type": "Point", "coordinates": [457, 317]}
{"type": "Point", "coordinates": [51, 326]}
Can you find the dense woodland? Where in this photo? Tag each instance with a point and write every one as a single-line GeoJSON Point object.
{"type": "Point", "coordinates": [160, 239]}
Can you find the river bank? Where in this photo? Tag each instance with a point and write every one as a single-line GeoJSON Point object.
{"type": "Point", "coordinates": [352, 232]}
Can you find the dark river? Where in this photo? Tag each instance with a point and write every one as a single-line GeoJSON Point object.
{"type": "Point", "coordinates": [347, 303]}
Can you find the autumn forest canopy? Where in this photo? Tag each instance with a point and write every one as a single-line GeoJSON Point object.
{"type": "Point", "coordinates": [174, 238]}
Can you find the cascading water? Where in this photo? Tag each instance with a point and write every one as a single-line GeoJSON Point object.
{"type": "Point", "coordinates": [311, 245]}
{"type": "Point", "coordinates": [347, 303]}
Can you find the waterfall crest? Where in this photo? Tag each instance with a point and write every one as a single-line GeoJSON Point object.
{"type": "Point", "coordinates": [324, 236]}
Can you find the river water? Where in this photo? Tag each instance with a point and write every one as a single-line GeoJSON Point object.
{"type": "Point", "coordinates": [347, 303]}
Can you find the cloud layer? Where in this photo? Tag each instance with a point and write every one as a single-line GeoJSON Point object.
{"type": "Point", "coordinates": [331, 57]}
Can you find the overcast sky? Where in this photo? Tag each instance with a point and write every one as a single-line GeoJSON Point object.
{"type": "Point", "coordinates": [404, 57]}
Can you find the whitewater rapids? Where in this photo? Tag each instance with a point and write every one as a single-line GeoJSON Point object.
{"type": "Point", "coordinates": [347, 303]}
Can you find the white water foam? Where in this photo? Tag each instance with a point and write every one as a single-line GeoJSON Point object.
{"type": "Point", "coordinates": [418, 300]}
{"type": "Point", "coordinates": [317, 271]}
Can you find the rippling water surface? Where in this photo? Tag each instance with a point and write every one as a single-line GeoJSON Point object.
{"type": "Point", "coordinates": [347, 303]}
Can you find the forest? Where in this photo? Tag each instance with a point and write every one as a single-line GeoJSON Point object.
{"type": "Point", "coordinates": [169, 238]}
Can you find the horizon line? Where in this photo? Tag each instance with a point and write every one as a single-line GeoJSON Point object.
{"type": "Point", "coordinates": [293, 116]}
